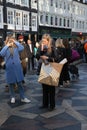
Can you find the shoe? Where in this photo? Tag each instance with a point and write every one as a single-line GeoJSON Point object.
{"type": "Point", "coordinates": [61, 86]}
{"type": "Point", "coordinates": [23, 81]}
{"type": "Point", "coordinates": [13, 100]}
{"type": "Point", "coordinates": [51, 108]}
{"type": "Point", "coordinates": [6, 89]}
{"type": "Point", "coordinates": [43, 107]}
{"type": "Point", "coordinates": [25, 100]}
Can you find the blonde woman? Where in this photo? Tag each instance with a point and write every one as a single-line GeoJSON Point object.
{"type": "Point", "coordinates": [45, 53]}
{"type": "Point", "coordinates": [61, 53]}
{"type": "Point", "coordinates": [14, 72]}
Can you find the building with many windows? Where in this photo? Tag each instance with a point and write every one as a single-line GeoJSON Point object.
{"type": "Point", "coordinates": [18, 17]}
{"type": "Point", "coordinates": [33, 18]}
{"type": "Point", "coordinates": [55, 17]}
{"type": "Point", "coordinates": [79, 18]}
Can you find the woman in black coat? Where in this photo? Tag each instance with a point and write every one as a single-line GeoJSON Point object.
{"type": "Point", "coordinates": [46, 54]}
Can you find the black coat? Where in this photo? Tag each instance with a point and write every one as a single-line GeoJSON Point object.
{"type": "Point", "coordinates": [29, 53]}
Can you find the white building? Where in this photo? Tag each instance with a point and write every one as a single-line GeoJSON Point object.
{"type": "Point", "coordinates": [63, 14]}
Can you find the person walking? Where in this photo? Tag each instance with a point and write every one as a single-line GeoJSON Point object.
{"type": "Point", "coordinates": [61, 53]}
{"type": "Point", "coordinates": [45, 53]}
{"type": "Point", "coordinates": [30, 53]}
{"type": "Point", "coordinates": [23, 55]}
{"type": "Point", "coordinates": [14, 72]}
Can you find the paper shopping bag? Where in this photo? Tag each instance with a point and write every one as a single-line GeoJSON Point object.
{"type": "Point", "coordinates": [50, 73]}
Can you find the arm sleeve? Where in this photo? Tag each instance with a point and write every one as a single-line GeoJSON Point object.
{"type": "Point", "coordinates": [20, 46]}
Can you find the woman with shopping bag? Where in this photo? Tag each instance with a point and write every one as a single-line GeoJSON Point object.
{"type": "Point", "coordinates": [45, 54]}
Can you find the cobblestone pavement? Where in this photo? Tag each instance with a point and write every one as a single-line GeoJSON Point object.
{"type": "Point", "coordinates": [70, 112]}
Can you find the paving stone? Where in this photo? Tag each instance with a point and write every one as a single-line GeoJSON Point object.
{"type": "Point", "coordinates": [70, 112]}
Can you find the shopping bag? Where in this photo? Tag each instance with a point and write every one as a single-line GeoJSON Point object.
{"type": "Point", "coordinates": [50, 74]}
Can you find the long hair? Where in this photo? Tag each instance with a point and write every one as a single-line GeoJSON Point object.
{"type": "Point", "coordinates": [49, 39]}
{"type": "Point", "coordinates": [59, 43]}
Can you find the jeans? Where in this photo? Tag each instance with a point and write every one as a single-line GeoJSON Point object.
{"type": "Point", "coordinates": [20, 88]}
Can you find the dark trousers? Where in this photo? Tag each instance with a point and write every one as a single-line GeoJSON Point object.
{"type": "Point", "coordinates": [85, 57]}
{"type": "Point", "coordinates": [64, 76]}
{"type": "Point", "coordinates": [48, 95]}
{"type": "Point", "coordinates": [31, 63]}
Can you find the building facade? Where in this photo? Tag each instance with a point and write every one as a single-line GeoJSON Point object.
{"type": "Point", "coordinates": [33, 18]}
{"type": "Point", "coordinates": [79, 18]}
{"type": "Point", "coordinates": [55, 18]}
{"type": "Point", "coordinates": [18, 17]}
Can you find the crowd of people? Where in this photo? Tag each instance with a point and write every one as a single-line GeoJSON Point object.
{"type": "Point", "coordinates": [21, 56]}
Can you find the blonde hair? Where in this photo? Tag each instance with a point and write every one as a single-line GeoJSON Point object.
{"type": "Point", "coordinates": [49, 39]}
{"type": "Point", "coordinates": [59, 43]}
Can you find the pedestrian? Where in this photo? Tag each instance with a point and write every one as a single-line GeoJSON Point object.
{"type": "Point", "coordinates": [45, 53]}
{"type": "Point", "coordinates": [85, 51]}
{"type": "Point", "coordinates": [30, 52]}
{"type": "Point", "coordinates": [61, 53]}
{"type": "Point", "coordinates": [14, 72]}
{"type": "Point", "coordinates": [68, 55]}
{"type": "Point", "coordinates": [35, 52]}
{"type": "Point", "coordinates": [23, 55]}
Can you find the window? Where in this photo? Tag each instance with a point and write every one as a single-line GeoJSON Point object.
{"type": "Point", "coordinates": [64, 5]}
{"type": "Point", "coordinates": [77, 24]}
{"type": "Point", "coordinates": [25, 2]}
{"type": "Point", "coordinates": [56, 21]}
{"type": "Point", "coordinates": [25, 19]}
{"type": "Point", "coordinates": [60, 5]}
{"type": "Point", "coordinates": [12, 1]}
{"type": "Point", "coordinates": [10, 17]}
{"type": "Point", "coordinates": [46, 19]}
{"type": "Point", "coordinates": [51, 2]}
{"type": "Point", "coordinates": [51, 20]}
{"type": "Point", "coordinates": [41, 18]}
{"type": "Point", "coordinates": [18, 19]}
{"type": "Point", "coordinates": [17, 2]}
{"type": "Point", "coordinates": [68, 23]}
{"type": "Point", "coordinates": [33, 21]}
{"type": "Point", "coordinates": [56, 3]}
{"type": "Point", "coordinates": [72, 24]}
{"type": "Point", "coordinates": [64, 22]}
{"type": "Point", "coordinates": [60, 22]}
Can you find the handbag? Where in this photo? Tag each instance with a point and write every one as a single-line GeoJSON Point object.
{"type": "Point", "coordinates": [75, 55]}
{"type": "Point", "coordinates": [50, 73]}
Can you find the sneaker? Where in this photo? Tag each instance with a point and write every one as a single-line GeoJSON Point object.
{"type": "Point", "coordinates": [12, 100]}
{"type": "Point", "coordinates": [61, 86]}
{"type": "Point", "coordinates": [25, 100]}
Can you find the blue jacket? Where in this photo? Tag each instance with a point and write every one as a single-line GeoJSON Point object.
{"type": "Point", "coordinates": [14, 72]}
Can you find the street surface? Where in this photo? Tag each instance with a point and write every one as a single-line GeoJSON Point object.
{"type": "Point", "coordinates": [70, 112]}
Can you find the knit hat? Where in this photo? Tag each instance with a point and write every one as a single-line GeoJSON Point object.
{"type": "Point", "coordinates": [21, 37]}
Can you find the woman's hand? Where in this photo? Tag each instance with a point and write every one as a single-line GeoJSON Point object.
{"type": "Point", "coordinates": [44, 57]}
{"type": "Point", "coordinates": [10, 42]}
